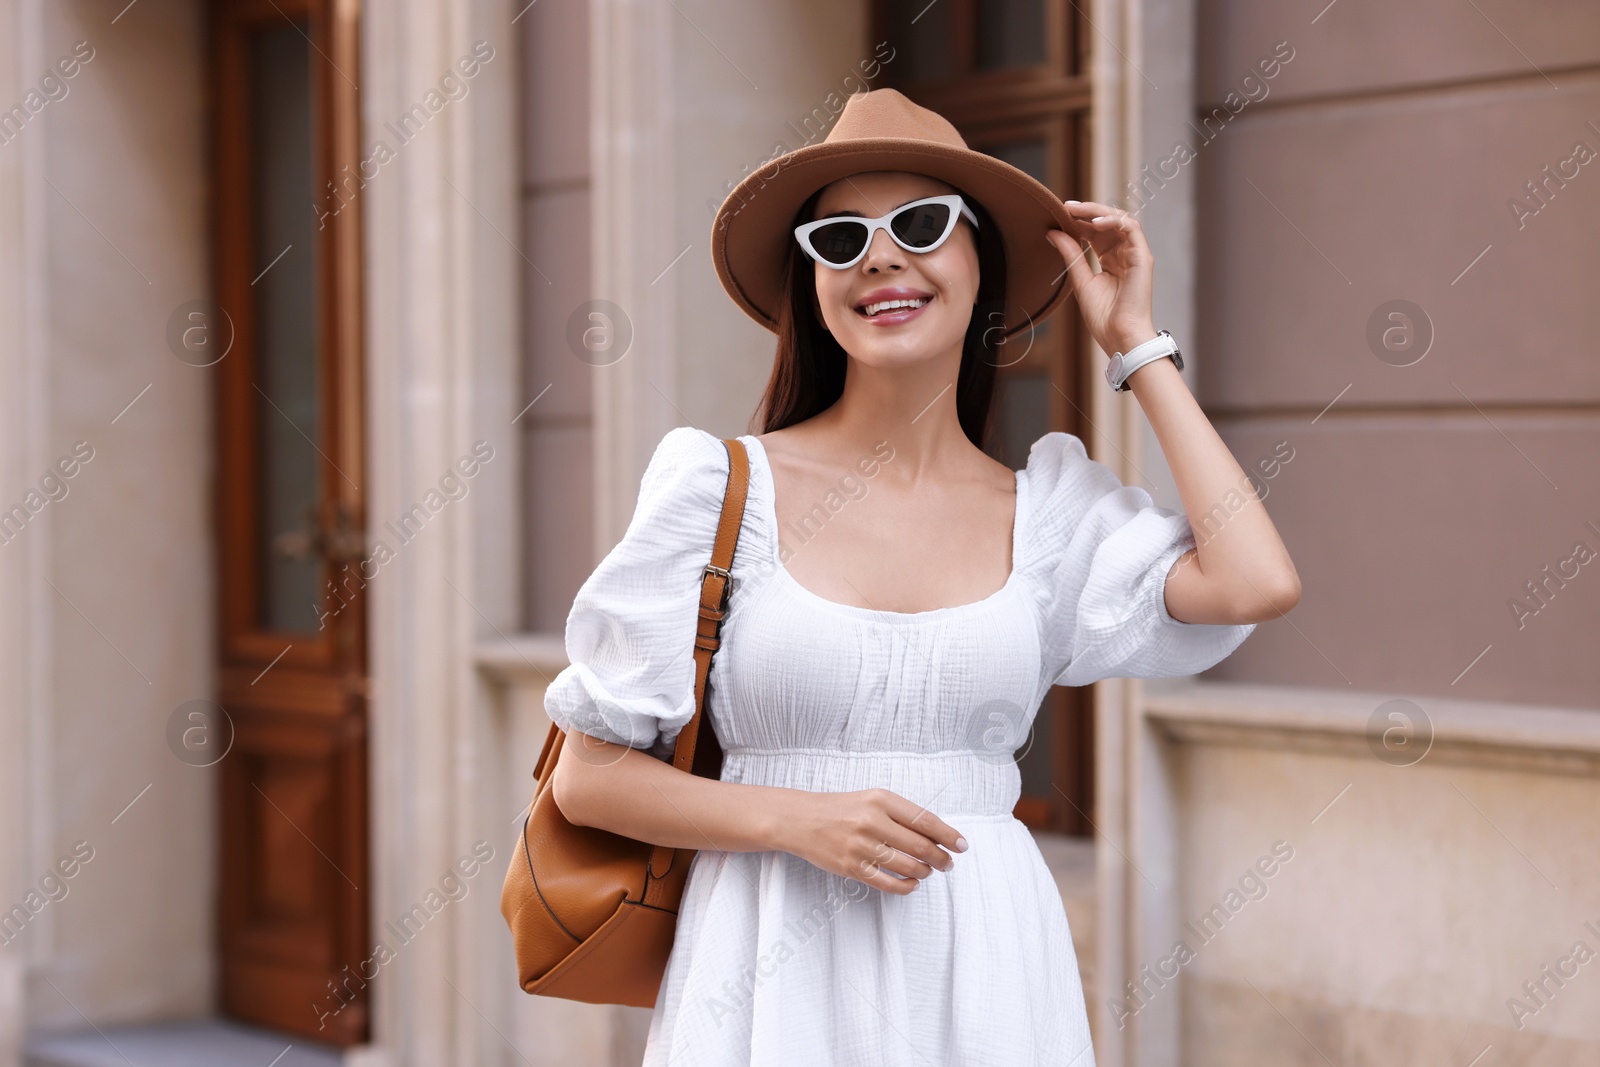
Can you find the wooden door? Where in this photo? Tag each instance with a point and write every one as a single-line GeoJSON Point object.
{"type": "Point", "coordinates": [289, 490]}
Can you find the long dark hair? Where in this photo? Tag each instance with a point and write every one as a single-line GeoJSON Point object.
{"type": "Point", "coordinates": [808, 373]}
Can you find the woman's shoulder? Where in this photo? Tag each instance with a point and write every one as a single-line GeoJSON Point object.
{"type": "Point", "coordinates": [1059, 469]}
{"type": "Point", "coordinates": [688, 476]}
{"type": "Point", "coordinates": [686, 454]}
{"type": "Point", "coordinates": [683, 443]}
{"type": "Point", "coordinates": [687, 468]}
{"type": "Point", "coordinates": [1062, 484]}
{"type": "Point", "coordinates": [1053, 455]}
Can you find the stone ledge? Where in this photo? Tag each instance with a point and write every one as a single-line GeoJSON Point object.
{"type": "Point", "coordinates": [1482, 733]}
{"type": "Point", "coordinates": [522, 658]}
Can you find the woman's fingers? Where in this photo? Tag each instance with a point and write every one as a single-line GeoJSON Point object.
{"type": "Point", "coordinates": [886, 857]}
{"type": "Point", "coordinates": [886, 868]}
{"type": "Point", "coordinates": [1119, 291]}
{"type": "Point", "coordinates": [880, 878]}
{"type": "Point", "coordinates": [921, 852]}
{"type": "Point", "coordinates": [1075, 256]}
{"type": "Point", "coordinates": [1122, 227]}
{"type": "Point", "coordinates": [1136, 239]}
{"type": "Point", "coordinates": [1095, 219]}
{"type": "Point", "coordinates": [894, 865]}
{"type": "Point", "coordinates": [1108, 233]}
{"type": "Point", "coordinates": [1100, 233]}
{"type": "Point", "coordinates": [903, 844]}
{"type": "Point", "coordinates": [1116, 236]}
{"type": "Point", "coordinates": [926, 825]}
{"type": "Point", "coordinates": [1088, 209]}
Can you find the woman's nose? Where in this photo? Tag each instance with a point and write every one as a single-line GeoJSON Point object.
{"type": "Point", "coordinates": [883, 254]}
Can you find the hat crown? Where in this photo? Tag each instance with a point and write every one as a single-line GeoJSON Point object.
{"type": "Point", "coordinates": [888, 113]}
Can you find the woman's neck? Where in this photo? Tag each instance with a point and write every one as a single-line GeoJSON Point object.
{"type": "Point", "coordinates": [913, 406]}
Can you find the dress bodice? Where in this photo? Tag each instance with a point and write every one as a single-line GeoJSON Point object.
{"type": "Point", "coordinates": [795, 671]}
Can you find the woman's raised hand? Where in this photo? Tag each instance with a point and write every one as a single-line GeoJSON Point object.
{"type": "Point", "coordinates": [870, 835]}
{"type": "Point", "coordinates": [1115, 301]}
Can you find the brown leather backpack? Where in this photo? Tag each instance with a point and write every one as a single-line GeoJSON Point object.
{"type": "Point", "coordinates": [593, 913]}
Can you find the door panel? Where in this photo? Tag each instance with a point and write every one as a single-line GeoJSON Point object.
{"type": "Point", "coordinates": [293, 820]}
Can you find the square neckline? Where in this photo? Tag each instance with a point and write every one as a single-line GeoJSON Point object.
{"type": "Point", "coordinates": [770, 514]}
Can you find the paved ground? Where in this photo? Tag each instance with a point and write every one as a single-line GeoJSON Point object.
{"type": "Point", "coordinates": [202, 1043]}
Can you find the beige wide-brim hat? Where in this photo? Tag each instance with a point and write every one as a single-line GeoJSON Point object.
{"type": "Point", "coordinates": [882, 130]}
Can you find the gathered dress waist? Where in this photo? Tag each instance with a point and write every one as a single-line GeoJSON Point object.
{"type": "Point", "coordinates": [949, 783]}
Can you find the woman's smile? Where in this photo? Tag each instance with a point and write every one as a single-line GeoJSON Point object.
{"type": "Point", "coordinates": [891, 307]}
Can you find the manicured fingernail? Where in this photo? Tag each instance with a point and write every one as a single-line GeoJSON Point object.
{"type": "Point", "coordinates": [961, 844]}
{"type": "Point", "coordinates": [1072, 201]}
{"type": "Point", "coordinates": [1099, 218]}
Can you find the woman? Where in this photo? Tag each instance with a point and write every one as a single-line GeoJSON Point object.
{"type": "Point", "coordinates": [901, 603]}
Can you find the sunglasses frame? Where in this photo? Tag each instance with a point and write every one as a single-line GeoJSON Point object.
{"type": "Point", "coordinates": [804, 231]}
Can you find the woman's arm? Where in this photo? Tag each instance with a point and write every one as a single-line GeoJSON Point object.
{"type": "Point", "coordinates": [1239, 571]}
{"type": "Point", "coordinates": [863, 834]}
{"type": "Point", "coordinates": [632, 793]}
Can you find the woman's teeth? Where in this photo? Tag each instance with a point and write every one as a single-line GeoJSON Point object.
{"type": "Point", "coordinates": [889, 305]}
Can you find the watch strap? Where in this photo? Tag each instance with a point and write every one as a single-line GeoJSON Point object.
{"type": "Point", "coordinates": [1123, 365]}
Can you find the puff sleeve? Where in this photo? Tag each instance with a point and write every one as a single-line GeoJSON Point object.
{"type": "Point", "coordinates": [1098, 556]}
{"type": "Point", "coordinates": [630, 632]}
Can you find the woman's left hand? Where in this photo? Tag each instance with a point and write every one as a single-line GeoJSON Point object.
{"type": "Point", "coordinates": [1115, 301]}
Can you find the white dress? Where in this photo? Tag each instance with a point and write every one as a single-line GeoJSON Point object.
{"type": "Point", "coordinates": [777, 962]}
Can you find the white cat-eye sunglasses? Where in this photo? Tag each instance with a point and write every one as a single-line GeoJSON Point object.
{"type": "Point", "coordinates": [841, 241]}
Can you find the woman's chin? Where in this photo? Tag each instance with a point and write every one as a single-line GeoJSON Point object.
{"type": "Point", "coordinates": [899, 347]}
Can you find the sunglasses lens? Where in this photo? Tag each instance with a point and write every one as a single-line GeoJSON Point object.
{"type": "Point", "coordinates": [839, 242]}
{"type": "Point", "coordinates": [921, 226]}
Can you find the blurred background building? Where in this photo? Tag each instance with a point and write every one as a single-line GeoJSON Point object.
{"type": "Point", "coordinates": [338, 336]}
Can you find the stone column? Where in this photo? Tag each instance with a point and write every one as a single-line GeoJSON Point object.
{"type": "Point", "coordinates": [21, 382]}
{"type": "Point", "coordinates": [442, 266]}
{"type": "Point", "coordinates": [1143, 72]}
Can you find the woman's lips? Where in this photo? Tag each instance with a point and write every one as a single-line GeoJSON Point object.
{"type": "Point", "coordinates": [896, 316]}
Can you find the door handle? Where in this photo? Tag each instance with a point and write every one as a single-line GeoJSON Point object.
{"type": "Point", "coordinates": [336, 541]}
{"type": "Point", "coordinates": [302, 542]}
{"type": "Point", "coordinates": [342, 541]}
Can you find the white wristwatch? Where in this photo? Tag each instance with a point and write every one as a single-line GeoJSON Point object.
{"type": "Point", "coordinates": [1123, 364]}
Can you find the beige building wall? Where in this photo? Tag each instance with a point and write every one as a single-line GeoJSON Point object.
{"type": "Point", "coordinates": [558, 427]}
{"type": "Point", "coordinates": [1428, 486]}
{"type": "Point", "coordinates": [1421, 499]}
{"type": "Point", "coordinates": [106, 598]}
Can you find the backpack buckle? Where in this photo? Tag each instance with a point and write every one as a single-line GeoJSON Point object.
{"type": "Point", "coordinates": [727, 585]}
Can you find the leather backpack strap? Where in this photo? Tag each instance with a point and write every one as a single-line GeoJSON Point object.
{"type": "Point", "coordinates": [716, 585]}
